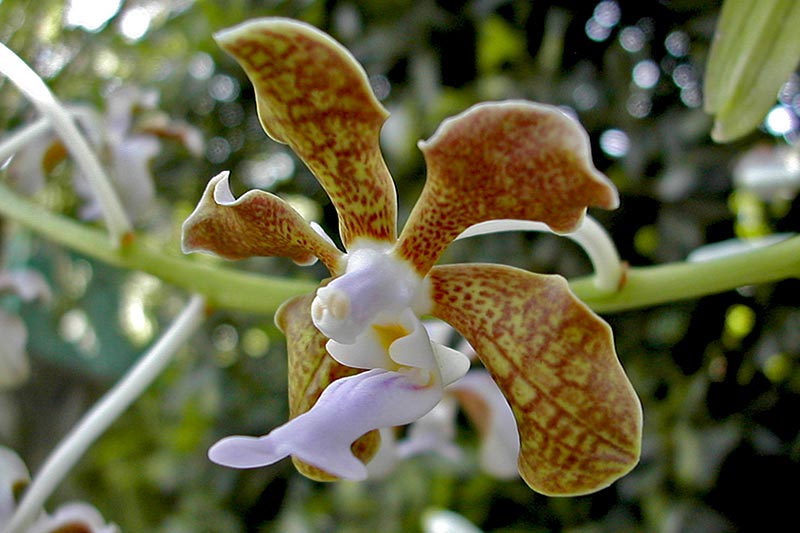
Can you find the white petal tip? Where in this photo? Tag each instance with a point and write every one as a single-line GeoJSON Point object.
{"type": "Point", "coordinates": [244, 452]}
{"type": "Point", "coordinates": [222, 188]}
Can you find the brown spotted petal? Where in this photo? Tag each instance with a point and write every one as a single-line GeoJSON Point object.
{"type": "Point", "coordinates": [579, 419]}
{"type": "Point", "coordinates": [510, 160]}
{"type": "Point", "coordinates": [313, 95]}
{"type": "Point", "coordinates": [256, 224]}
{"type": "Point", "coordinates": [311, 370]}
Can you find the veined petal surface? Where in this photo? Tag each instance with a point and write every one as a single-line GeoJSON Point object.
{"type": "Point", "coordinates": [256, 224]}
{"type": "Point", "coordinates": [578, 416]}
{"type": "Point", "coordinates": [503, 160]}
{"type": "Point", "coordinates": [314, 96]}
{"type": "Point", "coordinates": [311, 370]}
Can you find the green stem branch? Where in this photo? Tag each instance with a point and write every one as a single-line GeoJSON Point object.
{"type": "Point", "coordinates": [223, 287]}
{"type": "Point", "coordinates": [228, 288]}
{"type": "Point", "coordinates": [648, 286]}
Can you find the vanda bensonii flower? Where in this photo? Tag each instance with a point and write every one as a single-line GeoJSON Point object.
{"type": "Point", "coordinates": [359, 357]}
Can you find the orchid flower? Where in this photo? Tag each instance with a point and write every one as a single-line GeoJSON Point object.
{"type": "Point", "coordinates": [359, 357]}
{"type": "Point", "coordinates": [71, 516]}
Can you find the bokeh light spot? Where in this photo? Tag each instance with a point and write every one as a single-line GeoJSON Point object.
{"type": "Point", "coordinates": [646, 74]}
{"type": "Point", "coordinates": [596, 31]}
{"type": "Point", "coordinates": [780, 120]}
{"type": "Point", "coordinates": [201, 67]}
{"type": "Point", "coordinates": [223, 88]}
{"type": "Point", "coordinates": [677, 43]}
{"type": "Point", "coordinates": [134, 23]}
{"type": "Point", "coordinates": [607, 13]}
{"type": "Point", "coordinates": [265, 173]}
{"type": "Point", "coordinates": [739, 320]}
{"type": "Point", "coordinates": [632, 39]}
{"type": "Point", "coordinates": [90, 14]}
{"type": "Point", "coordinates": [218, 150]}
{"type": "Point", "coordinates": [614, 143]}
{"type": "Point", "coordinates": [255, 342]}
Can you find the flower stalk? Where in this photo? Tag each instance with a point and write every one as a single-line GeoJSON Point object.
{"type": "Point", "coordinates": [228, 288]}
{"type": "Point", "coordinates": [97, 420]}
{"type": "Point", "coordinates": [591, 236]}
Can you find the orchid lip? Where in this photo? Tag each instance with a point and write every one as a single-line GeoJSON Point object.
{"type": "Point", "coordinates": [348, 408]}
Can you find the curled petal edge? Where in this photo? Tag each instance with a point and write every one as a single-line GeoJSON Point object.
{"type": "Point", "coordinates": [256, 224]}
{"type": "Point", "coordinates": [313, 95]}
{"type": "Point", "coordinates": [502, 160]}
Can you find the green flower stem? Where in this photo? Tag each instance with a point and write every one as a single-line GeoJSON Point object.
{"type": "Point", "coordinates": [591, 236]}
{"type": "Point", "coordinates": [223, 287]}
{"type": "Point", "coordinates": [97, 420]}
{"type": "Point", "coordinates": [228, 288]}
{"type": "Point", "coordinates": [648, 286]}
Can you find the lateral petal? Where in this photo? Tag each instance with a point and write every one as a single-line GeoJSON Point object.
{"type": "Point", "coordinates": [311, 370]}
{"type": "Point", "coordinates": [578, 416]}
{"type": "Point", "coordinates": [256, 224]}
{"type": "Point", "coordinates": [314, 96]}
{"type": "Point", "coordinates": [514, 160]}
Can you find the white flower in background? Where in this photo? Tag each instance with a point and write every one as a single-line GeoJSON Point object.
{"type": "Point", "coordinates": [28, 286]}
{"type": "Point", "coordinates": [72, 516]}
{"type": "Point", "coordinates": [127, 137]}
{"type": "Point", "coordinates": [444, 521]}
{"type": "Point", "coordinates": [485, 406]}
{"type": "Point", "coordinates": [769, 171]}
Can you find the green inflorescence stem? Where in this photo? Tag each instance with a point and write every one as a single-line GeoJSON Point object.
{"type": "Point", "coordinates": [223, 287]}
{"type": "Point", "coordinates": [228, 288]}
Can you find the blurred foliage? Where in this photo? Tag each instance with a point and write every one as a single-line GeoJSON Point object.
{"type": "Point", "coordinates": [755, 49]}
{"type": "Point", "coordinates": [719, 377]}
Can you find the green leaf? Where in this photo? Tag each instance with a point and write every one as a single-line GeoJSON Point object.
{"type": "Point", "coordinates": [755, 48]}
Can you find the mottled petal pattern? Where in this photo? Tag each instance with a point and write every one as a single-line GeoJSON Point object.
{"type": "Point", "coordinates": [514, 160]}
{"type": "Point", "coordinates": [311, 369]}
{"type": "Point", "coordinates": [579, 419]}
{"type": "Point", "coordinates": [313, 95]}
{"type": "Point", "coordinates": [256, 224]}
